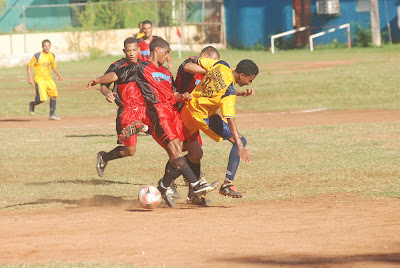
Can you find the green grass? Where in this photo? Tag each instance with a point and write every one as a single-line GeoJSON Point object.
{"type": "Point", "coordinates": [56, 167]}
{"type": "Point", "coordinates": [357, 78]}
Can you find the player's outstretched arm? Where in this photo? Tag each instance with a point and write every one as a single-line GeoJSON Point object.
{"type": "Point", "coordinates": [244, 154]}
{"type": "Point", "coordinates": [194, 68]}
{"type": "Point", "coordinates": [108, 78]}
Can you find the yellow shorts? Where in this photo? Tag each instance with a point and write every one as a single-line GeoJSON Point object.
{"type": "Point", "coordinates": [45, 89]}
{"type": "Point", "coordinates": [214, 127]}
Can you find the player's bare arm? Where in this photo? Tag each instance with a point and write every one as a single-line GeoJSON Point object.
{"type": "Point", "coordinates": [60, 78]}
{"type": "Point", "coordinates": [182, 97]}
{"type": "Point", "coordinates": [30, 78]}
{"type": "Point", "coordinates": [245, 93]}
{"type": "Point", "coordinates": [110, 96]}
{"type": "Point", "coordinates": [108, 78]}
{"type": "Point", "coordinates": [194, 68]}
{"type": "Point", "coordinates": [244, 154]}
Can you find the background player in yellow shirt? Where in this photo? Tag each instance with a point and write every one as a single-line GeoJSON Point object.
{"type": "Point", "coordinates": [140, 34]}
{"type": "Point", "coordinates": [216, 92]}
{"type": "Point", "coordinates": [41, 63]}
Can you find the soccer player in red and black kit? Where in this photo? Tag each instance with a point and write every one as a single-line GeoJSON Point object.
{"type": "Point", "coordinates": [155, 84]}
{"type": "Point", "coordinates": [131, 107]}
{"type": "Point", "coordinates": [144, 43]}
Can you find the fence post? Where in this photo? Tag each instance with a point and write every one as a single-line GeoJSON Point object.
{"type": "Point", "coordinates": [155, 14]}
{"type": "Point", "coordinates": [24, 20]}
{"type": "Point", "coordinates": [91, 23]}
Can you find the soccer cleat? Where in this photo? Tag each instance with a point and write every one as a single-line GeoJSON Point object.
{"type": "Point", "coordinates": [230, 190]}
{"type": "Point", "coordinates": [32, 108]}
{"type": "Point", "coordinates": [134, 128]}
{"type": "Point", "coordinates": [166, 194]}
{"type": "Point", "coordinates": [53, 117]}
{"type": "Point", "coordinates": [175, 193]}
{"type": "Point", "coordinates": [198, 201]}
{"type": "Point", "coordinates": [101, 164]}
{"type": "Point", "coordinates": [202, 189]}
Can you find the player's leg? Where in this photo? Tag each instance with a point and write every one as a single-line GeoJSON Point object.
{"type": "Point", "coordinates": [167, 129]}
{"type": "Point", "coordinates": [40, 96]}
{"type": "Point", "coordinates": [53, 93]}
{"type": "Point", "coordinates": [227, 188]}
{"type": "Point", "coordinates": [218, 130]}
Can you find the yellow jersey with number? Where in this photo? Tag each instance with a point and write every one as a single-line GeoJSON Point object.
{"type": "Point", "coordinates": [42, 63]}
{"type": "Point", "coordinates": [215, 91]}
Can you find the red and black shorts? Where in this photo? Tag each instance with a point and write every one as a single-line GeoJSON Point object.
{"type": "Point", "coordinates": [127, 116]}
{"type": "Point", "coordinates": [165, 123]}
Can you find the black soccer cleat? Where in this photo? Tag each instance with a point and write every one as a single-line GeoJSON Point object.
{"type": "Point", "coordinates": [166, 194]}
{"type": "Point", "coordinates": [230, 190]}
{"type": "Point", "coordinates": [198, 201]}
{"type": "Point", "coordinates": [175, 193]}
{"type": "Point", "coordinates": [134, 128]}
{"type": "Point", "coordinates": [202, 189]}
{"type": "Point", "coordinates": [101, 164]}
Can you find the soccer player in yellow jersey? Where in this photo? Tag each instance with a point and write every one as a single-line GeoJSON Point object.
{"type": "Point", "coordinates": [41, 63]}
{"type": "Point", "coordinates": [216, 92]}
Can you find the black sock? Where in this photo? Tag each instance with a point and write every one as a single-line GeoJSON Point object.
{"type": "Point", "coordinates": [114, 153]}
{"type": "Point", "coordinates": [36, 102]}
{"type": "Point", "coordinates": [183, 167]}
{"type": "Point", "coordinates": [52, 106]}
{"type": "Point", "coordinates": [195, 167]}
{"type": "Point", "coordinates": [171, 173]}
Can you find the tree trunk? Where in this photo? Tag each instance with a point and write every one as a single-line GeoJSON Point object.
{"type": "Point", "coordinates": [375, 23]}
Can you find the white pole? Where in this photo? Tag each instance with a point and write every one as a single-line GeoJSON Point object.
{"type": "Point", "coordinates": [283, 34]}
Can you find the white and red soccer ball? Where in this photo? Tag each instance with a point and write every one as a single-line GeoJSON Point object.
{"type": "Point", "coordinates": [149, 197]}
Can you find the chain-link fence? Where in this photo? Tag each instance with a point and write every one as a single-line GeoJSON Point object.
{"type": "Point", "coordinates": [92, 24]}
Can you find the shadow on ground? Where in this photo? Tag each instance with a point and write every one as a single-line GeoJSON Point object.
{"type": "Point", "coordinates": [87, 182]}
{"type": "Point", "coordinates": [309, 260]}
{"type": "Point", "coordinates": [89, 136]}
{"type": "Point", "coordinates": [95, 201]}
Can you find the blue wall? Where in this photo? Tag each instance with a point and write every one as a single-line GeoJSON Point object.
{"type": "Point", "coordinates": [252, 22]}
{"type": "Point", "coordinates": [349, 14]}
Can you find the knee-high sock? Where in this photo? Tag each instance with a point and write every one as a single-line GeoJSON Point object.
{"type": "Point", "coordinates": [114, 153]}
{"type": "Point", "coordinates": [234, 160]}
{"type": "Point", "coordinates": [195, 167]}
{"type": "Point", "coordinates": [183, 167]}
{"type": "Point", "coordinates": [52, 106]}
{"type": "Point", "coordinates": [171, 173]}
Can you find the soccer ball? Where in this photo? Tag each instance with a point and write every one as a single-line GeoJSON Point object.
{"type": "Point", "coordinates": [149, 197]}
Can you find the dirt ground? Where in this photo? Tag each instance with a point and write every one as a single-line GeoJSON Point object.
{"type": "Point", "coordinates": [323, 231]}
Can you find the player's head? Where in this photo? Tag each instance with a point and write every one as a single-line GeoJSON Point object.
{"type": "Point", "coordinates": [131, 49]}
{"type": "Point", "coordinates": [247, 71]}
{"type": "Point", "coordinates": [46, 45]}
{"type": "Point", "coordinates": [160, 48]}
{"type": "Point", "coordinates": [210, 52]}
{"type": "Point", "coordinates": [140, 26]}
{"type": "Point", "coordinates": [147, 28]}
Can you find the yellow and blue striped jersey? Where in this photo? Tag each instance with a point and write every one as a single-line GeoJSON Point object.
{"type": "Point", "coordinates": [42, 63]}
{"type": "Point", "coordinates": [215, 91]}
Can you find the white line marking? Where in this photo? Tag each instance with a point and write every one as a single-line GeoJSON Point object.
{"type": "Point", "coordinates": [294, 112]}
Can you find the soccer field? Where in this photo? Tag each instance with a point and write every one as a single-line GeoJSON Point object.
{"type": "Point", "coordinates": [322, 189]}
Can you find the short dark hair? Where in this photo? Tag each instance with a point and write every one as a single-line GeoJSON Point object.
{"type": "Point", "coordinates": [147, 22]}
{"type": "Point", "coordinates": [158, 42]}
{"type": "Point", "coordinates": [45, 41]}
{"type": "Point", "coordinates": [209, 51]}
{"type": "Point", "coordinates": [140, 22]}
{"type": "Point", "coordinates": [130, 40]}
{"type": "Point", "coordinates": [247, 67]}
